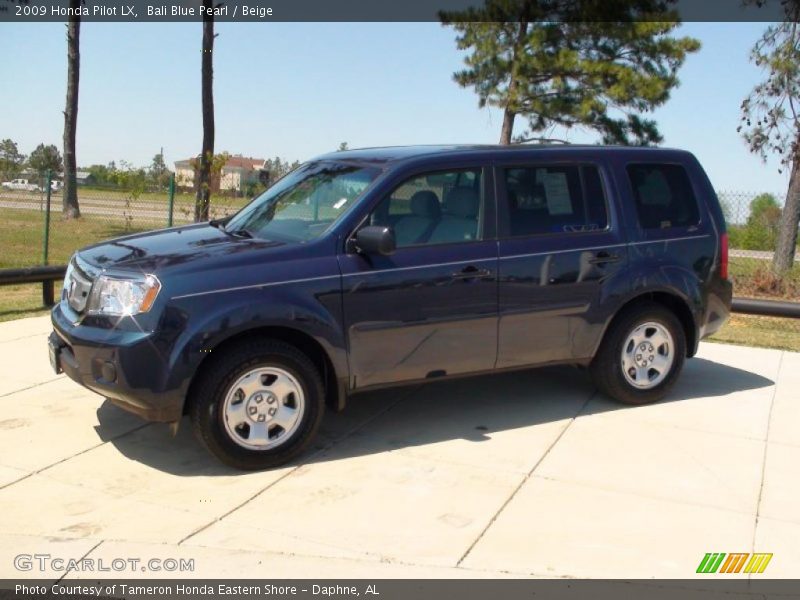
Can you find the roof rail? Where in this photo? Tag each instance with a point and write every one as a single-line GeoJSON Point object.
{"type": "Point", "coordinates": [542, 140]}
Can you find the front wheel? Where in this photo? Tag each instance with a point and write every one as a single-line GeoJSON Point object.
{"type": "Point", "coordinates": [641, 355]}
{"type": "Point", "coordinates": [259, 405]}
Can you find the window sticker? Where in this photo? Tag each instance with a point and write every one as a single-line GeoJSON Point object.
{"type": "Point", "coordinates": [557, 192]}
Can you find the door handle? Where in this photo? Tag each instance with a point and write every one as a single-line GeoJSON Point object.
{"type": "Point", "coordinates": [471, 272]}
{"type": "Point", "coordinates": [604, 257]}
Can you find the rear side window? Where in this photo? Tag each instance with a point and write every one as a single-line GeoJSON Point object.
{"type": "Point", "coordinates": [555, 199]}
{"type": "Point", "coordinates": [664, 196]}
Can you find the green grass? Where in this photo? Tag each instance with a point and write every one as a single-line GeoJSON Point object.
{"type": "Point", "coordinates": [94, 197]}
{"type": "Point", "coordinates": [753, 278]}
{"type": "Point", "coordinates": [22, 232]}
{"type": "Point", "coordinates": [21, 238]}
{"type": "Point", "coordinates": [766, 332]}
{"type": "Point", "coordinates": [20, 301]}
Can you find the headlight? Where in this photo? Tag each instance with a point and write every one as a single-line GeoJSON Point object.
{"type": "Point", "coordinates": [119, 296]}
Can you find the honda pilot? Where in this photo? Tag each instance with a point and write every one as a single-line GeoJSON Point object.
{"type": "Point", "coordinates": [369, 268]}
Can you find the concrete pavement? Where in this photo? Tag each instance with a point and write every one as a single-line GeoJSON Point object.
{"type": "Point", "coordinates": [529, 474]}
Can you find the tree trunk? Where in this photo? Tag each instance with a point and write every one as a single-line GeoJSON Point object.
{"type": "Point", "coordinates": [203, 199]}
{"type": "Point", "coordinates": [70, 206]}
{"type": "Point", "coordinates": [508, 125]}
{"type": "Point", "coordinates": [510, 111]}
{"type": "Point", "coordinates": [786, 246]}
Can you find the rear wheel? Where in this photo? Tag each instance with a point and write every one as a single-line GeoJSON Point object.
{"type": "Point", "coordinates": [259, 405]}
{"type": "Point", "coordinates": [641, 355]}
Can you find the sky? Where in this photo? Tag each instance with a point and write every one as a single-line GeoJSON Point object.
{"type": "Point", "coordinates": [297, 90]}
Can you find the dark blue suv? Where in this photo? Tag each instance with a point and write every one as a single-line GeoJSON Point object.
{"type": "Point", "coordinates": [369, 268]}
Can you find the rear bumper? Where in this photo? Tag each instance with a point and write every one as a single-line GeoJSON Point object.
{"type": "Point", "coordinates": [718, 308]}
{"type": "Point", "coordinates": [123, 366]}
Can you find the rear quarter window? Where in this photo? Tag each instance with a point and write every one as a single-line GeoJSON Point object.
{"type": "Point", "coordinates": [663, 196]}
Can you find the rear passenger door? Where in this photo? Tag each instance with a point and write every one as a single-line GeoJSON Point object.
{"type": "Point", "coordinates": [430, 309]}
{"type": "Point", "coordinates": [561, 256]}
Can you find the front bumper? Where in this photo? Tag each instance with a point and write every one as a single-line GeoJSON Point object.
{"type": "Point", "coordinates": [127, 367]}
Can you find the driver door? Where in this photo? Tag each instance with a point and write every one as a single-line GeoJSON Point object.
{"type": "Point", "coordinates": [430, 309]}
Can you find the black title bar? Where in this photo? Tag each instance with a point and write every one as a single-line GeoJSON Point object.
{"type": "Point", "coordinates": [265, 11]}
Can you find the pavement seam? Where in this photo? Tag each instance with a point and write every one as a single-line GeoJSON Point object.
{"type": "Point", "coordinates": [366, 559]}
{"type": "Point", "coordinates": [766, 450]}
{"type": "Point", "coordinates": [30, 387]}
{"type": "Point", "coordinates": [82, 558]}
{"type": "Point", "coordinates": [525, 479]}
{"type": "Point", "coordinates": [306, 462]}
{"type": "Point", "coordinates": [85, 450]}
{"type": "Point", "coordinates": [371, 558]}
{"type": "Point", "coordinates": [71, 456]}
{"type": "Point", "coordinates": [25, 337]}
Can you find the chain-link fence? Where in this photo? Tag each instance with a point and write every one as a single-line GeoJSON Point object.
{"type": "Point", "coordinates": [753, 224]}
{"type": "Point", "coordinates": [29, 238]}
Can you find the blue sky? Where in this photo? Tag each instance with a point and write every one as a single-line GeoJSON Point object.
{"type": "Point", "coordinates": [299, 89]}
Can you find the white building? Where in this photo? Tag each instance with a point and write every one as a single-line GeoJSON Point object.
{"type": "Point", "coordinates": [238, 172]}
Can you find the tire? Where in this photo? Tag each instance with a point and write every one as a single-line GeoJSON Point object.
{"type": "Point", "coordinates": [235, 405]}
{"type": "Point", "coordinates": [638, 332]}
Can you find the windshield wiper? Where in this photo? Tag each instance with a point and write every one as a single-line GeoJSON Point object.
{"type": "Point", "coordinates": [220, 224]}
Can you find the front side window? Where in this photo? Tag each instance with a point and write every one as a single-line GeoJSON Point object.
{"type": "Point", "coordinates": [663, 195]}
{"type": "Point", "coordinates": [435, 208]}
{"type": "Point", "coordinates": [555, 199]}
{"type": "Point", "coordinates": [305, 203]}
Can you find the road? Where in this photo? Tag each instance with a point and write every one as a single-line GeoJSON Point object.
{"type": "Point", "coordinates": [757, 254]}
{"type": "Point", "coordinates": [149, 211]}
{"type": "Point", "coordinates": [139, 209]}
{"type": "Point", "coordinates": [516, 475]}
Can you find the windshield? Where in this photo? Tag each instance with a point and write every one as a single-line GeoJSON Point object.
{"type": "Point", "coordinates": [305, 203]}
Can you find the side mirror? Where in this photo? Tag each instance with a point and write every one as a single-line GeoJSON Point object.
{"type": "Point", "coordinates": [376, 239]}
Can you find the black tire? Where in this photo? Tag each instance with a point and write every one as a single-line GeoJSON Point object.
{"type": "Point", "coordinates": [606, 368]}
{"type": "Point", "coordinates": [209, 392]}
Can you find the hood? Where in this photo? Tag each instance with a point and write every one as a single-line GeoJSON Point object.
{"type": "Point", "coordinates": [158, 251]}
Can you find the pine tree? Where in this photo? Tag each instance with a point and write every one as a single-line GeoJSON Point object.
{"type": "Point", "coordinates": [573, 63]}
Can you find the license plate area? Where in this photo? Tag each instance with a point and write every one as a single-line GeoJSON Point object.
{"type": "Point", "coordinates": [55, 357]}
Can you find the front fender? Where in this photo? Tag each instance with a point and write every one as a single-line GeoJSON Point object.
{"type": "Point", "coordinates": [200, 323]}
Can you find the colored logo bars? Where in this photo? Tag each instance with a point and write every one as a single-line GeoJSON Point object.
{"type": "Point", "coordinates": [716, 562]}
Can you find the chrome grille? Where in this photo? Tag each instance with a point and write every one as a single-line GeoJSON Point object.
{"type": "Point", "coordinates": [78, 285]}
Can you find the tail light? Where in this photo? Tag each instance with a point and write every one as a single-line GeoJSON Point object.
{"type": "Point", "coordinates": [723, 256]}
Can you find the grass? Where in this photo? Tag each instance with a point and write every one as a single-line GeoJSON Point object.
{"type": "Point", "coordinates": [21, 233]}
{"type": "Point", "coordinates": [109, 197]}
{"type": "Point", "coordinates": [766, 332]}
{"type": "Point", "coordinates": [20, 301]}
{"type": "Point", "coordinates": [753, 278]}
{"type": "Point", "coordinates": [21, 236]}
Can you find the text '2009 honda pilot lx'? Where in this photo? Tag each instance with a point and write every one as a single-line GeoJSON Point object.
{"type": "Point", "coordinates": [368, 268]}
